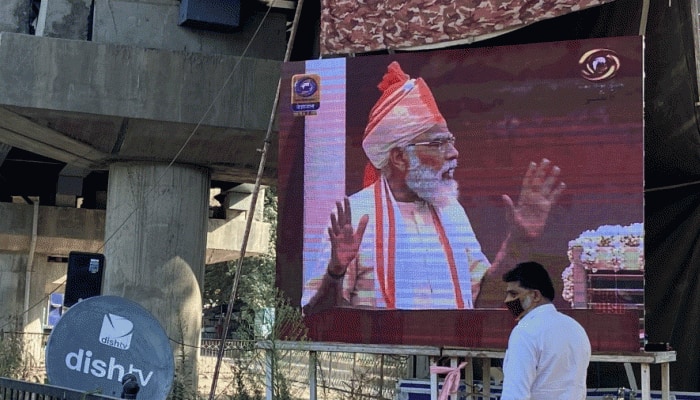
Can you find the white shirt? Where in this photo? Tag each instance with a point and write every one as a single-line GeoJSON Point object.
{"type": "Point", "coordinates": [547, 357]}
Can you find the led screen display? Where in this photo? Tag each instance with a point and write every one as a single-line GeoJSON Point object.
{"type": "Point", "coordinates": [409, 183]}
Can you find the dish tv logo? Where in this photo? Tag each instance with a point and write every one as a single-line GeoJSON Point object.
{"type": "Point", "coordinates": [116, 332]}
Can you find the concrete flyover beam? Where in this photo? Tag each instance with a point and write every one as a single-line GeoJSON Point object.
{"type": "Point", "coordinates": [116, 102]}
{"type": "Point", "coordinates": [19, 131]}
{"type": "Point", "coordinates": [133, 82]}
{"type": "Point", "coordinates": [224, 239]}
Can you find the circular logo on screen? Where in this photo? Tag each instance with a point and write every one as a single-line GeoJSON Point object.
{"type": "Point", "coordinates": [305, 87]}
{"type": "Point", "coordinates": [101, 339]}
{"type": "Point", "coordinates": [599, 64]}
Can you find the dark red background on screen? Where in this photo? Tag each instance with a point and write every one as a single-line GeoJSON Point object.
{"type": "Point", "coordinates": [592, 131]}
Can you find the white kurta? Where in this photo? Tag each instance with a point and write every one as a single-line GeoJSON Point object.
{"type": "Point", "coordinates": [423, 278]}
{"type": "Point", "coordinates": [547, 358]}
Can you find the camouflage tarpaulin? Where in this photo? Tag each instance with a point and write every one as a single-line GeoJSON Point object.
{"type": "Point", "coordinates": [357, 26]}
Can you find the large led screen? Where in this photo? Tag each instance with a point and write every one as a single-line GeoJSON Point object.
{"type": "Point", "coordinates": [409, 183]}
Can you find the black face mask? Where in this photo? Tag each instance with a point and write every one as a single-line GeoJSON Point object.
{"type": "Point", "coordinates": [515, 307]}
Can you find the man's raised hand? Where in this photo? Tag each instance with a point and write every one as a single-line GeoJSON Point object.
{"type": "Point", "coordinates": [540, 191]}
{"type": "Point", "coordinates": [345, 241]}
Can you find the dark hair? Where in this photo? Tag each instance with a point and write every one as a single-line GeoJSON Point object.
{"type": "Point", "coordinates": [531, 275]}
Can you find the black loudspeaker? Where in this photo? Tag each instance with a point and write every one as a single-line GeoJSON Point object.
{"type": "Point", "coordinates": [215, 15]}
{"type": "Point", "coordinates": [84, 278]}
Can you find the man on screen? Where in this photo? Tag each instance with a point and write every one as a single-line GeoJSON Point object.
{"type": "Point", "coordinates": [404, 241]}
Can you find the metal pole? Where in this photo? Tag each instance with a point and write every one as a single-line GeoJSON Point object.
{"type": "Point", "coordinates": [269, 374]}
{"type": "Point", "coordinates": [313, 359]}
{"type": "Point", "coordinates": [30, 266]}
{"type": "Point", "coordinates": [254, 199]}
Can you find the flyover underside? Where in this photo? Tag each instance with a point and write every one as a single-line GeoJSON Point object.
{"type": "Point", "coordinates": [88, 104]}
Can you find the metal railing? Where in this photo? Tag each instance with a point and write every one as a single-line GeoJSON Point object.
{"type": "Point", "coordinates": [11, 389]}
{"type": "Point", "coordinates": [338, 372]}
{"type": "Point", "coordinates": [232, 348]}
{"type": "Point", "coordinates": [32, 343]}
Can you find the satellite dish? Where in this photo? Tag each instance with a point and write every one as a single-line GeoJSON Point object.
{"type": "Point", "coordinates": [101, 339]}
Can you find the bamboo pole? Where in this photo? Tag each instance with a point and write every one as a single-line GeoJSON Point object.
{"type": "Point", "coordinates": [251, 211]}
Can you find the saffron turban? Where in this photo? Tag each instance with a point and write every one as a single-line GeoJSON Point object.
{"type": "Point", "coordinates": [405, 109]}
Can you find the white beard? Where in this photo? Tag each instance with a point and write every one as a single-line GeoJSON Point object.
{"type": "Point", "coordinates": [435, 187]}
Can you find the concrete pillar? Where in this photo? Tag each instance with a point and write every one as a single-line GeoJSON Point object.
{"type": "Point", "coordinates": [67, 19]}
{"type": "Point", "coordinates": [155, 238]}
{"type": "Point", "coordinates": [15, 16]}
{"type": "Point", "coordinates": [12, 283]}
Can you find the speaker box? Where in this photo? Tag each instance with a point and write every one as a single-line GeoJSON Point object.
{"type": "Point", "coordinates": [214, 15]}
{"type": "Point", "coordinates": [84, 277]}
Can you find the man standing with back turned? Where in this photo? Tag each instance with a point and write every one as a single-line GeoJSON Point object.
{"type": "Point", "coordinates": [548, 352]}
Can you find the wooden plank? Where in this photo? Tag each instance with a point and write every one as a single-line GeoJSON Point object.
{"type": "Point", "coordinates": [646, 383]}
{"type": "Point", "coordinates": [468, 376]}
{"type": "Point", "coordinates": [637, 357]}
{"type": "Point", "coordinates": [472, 353]}
{"type": "Point", "coordinates": [665, 381]}
{"type": "Point", "coordinates": [433, 380]}
{"type": "Point", "coordinates": [352, 348]}
{"type": "Point", "coordinates": [313, 361]}
{"type": "Point", "coordinates": [640, 357]}
{"type": "Point", "coordinates": [486, 377]}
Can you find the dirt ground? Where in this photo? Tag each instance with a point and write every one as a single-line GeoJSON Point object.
{"type": "Point", "coordinates": [226, 384]}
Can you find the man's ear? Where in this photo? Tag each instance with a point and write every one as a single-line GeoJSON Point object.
{"type": "Point", "coordinates": [398, 159]}
{"type": "Point", "coordinates": [537, 298]}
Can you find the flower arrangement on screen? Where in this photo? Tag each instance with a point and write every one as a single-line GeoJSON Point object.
{"type": "Point", "coordinates": [609, 247]}
{"type": "Point", "coordinates": [612, 247]}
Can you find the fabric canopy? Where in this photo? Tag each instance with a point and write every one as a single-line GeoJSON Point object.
{"type": "Point", "coordinates": [357, 26]}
